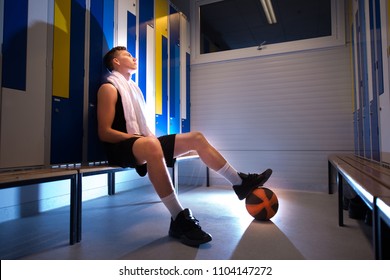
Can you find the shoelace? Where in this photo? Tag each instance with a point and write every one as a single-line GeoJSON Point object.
{"type": "Point", "coordinates": [193, 221]}
{"type": "Point", "coordinates": [253, 175]}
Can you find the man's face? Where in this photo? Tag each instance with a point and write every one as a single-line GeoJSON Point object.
{"type": "Point", "coordinates": [125, 60]}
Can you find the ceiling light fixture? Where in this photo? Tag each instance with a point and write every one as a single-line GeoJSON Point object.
{"type": "Point", "coordinates": [269, 11]}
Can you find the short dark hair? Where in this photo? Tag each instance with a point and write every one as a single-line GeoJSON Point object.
{"type": "Point", "coordinates": [110, 55]}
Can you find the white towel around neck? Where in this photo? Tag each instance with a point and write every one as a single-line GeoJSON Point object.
{"type": "Point", "coordinates": [133, 104]}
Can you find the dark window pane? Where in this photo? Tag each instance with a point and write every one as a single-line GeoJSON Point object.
{"type": "Point", "coordinates": [235, 24]}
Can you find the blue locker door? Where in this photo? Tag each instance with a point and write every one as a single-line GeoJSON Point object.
{"type": "Point", "coordinates": [162, 120]}
{"type": "Point", "coordinates": [101, 40]}
{"type": "Point", "coordinates": [186, 123]}
{"type": "Point", "coordinates": [174, 77]}
{"type": "Point", "coordinates": [131, 35]}
{"type": "Point", "coordinates": [355, 112]}
{"type": "Point", "coordinates": [377, 75]}
{"type": "Point", "coordinates": [356, 131]}
{"type": "Point", "coordinates": [67, 113]}
{"type": "Point", "coordinates": [14, 54]}
{"type": "Point", "coordinates": [174, 98]}
{"type": "Point", "coordinates": [365, 149]}
{"type": "Point", "coordinates": [146, 17]}
{"type": "Point", "coordinates": [359, 101]}
{"type": "Point", "coordinates": [378, 48]}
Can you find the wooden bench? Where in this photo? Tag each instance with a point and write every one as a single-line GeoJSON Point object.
{"type": "Point", "coordinates": [32, 176]}
{"type": "Point", "coordinates": [370, 180]}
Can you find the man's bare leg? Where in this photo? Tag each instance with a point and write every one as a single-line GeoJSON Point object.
{"type": "Point", "coordinates": [183, 225]}
{"type": "Point", "coordinates": [242, 183]}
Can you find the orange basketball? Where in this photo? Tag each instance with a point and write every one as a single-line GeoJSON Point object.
{"type": "Point", "coordinates": [262, 204]}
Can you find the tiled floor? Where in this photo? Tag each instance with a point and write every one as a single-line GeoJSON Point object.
{"type": "Point", "coordinates": [134, 225]}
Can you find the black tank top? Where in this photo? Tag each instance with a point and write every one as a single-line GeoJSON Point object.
{"type": "Point", "coordinates": [119, 122]}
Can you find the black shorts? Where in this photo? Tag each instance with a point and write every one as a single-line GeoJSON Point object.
{"type": "Point", "coordinates": [121, 153]}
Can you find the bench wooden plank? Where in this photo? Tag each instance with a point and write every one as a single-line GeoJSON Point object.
{"type": "Point", "coordinates": [367, 187]}
{"type": "Point", "coordinates": [384, 206]}
{"type": "Point", "coordinates": [13, 178]}
{"type": "Point", "coordinates": [367, 182]}
{"type": "Point", "coordinates": [99, 169]}
{"type": "Point", "coordinates": [187, 157]}
{"type": "Point", "coordinates": [375, 165]}
{"type": "Point", "coordinates": [377, 172]}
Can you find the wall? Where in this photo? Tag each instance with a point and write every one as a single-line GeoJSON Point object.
{"type": "Point", "coordinates": [286, 112]}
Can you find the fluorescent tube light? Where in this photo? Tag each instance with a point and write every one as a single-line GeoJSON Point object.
{"type": "Point", "coordinates": [269, 11]}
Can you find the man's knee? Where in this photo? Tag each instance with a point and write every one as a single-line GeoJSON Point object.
{"type": "Point", "coordinates": [198, 136]}
{"type": "Point", "coordinates": [199, 140]}
{"type": "Point", "coordinates": [152, 147]}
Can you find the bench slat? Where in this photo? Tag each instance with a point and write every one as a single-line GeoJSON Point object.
{"type": "Point", "coordinates": [376, 172]}
{"type": "Point", "coordinates": [367, 187]}
{"type": "Point", "coordinates": [92, 170]}
{"type": "Point", "coordinates": [374, 165]}
{"type": "Point", "coordinates": [34, 174]}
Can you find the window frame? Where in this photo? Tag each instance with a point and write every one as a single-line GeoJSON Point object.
{"type": "Point", "coordinates": [336, 39]}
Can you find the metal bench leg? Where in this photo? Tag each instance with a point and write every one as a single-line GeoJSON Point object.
{"type": "Point", "coordinates": [376, 231]}
{"type": "Point", "coordinates": [74, 205]}
{"type": "Point", "coordinates": [330, 177]}
{"type": "Point", "coordinates": [207, 176]}
{"type": "Point", "coordinates": [340, 197]}
{"type": "Point", "coordinates": [383, 239]}
{"type": "Point", "coordinates": [175, 176]}
{"type": "Point", "coordinates": [79, 206]}
{"type": "Point", "coordinates": [111, 183]}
